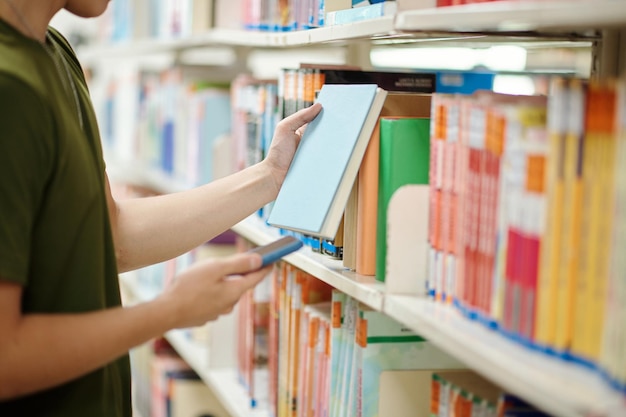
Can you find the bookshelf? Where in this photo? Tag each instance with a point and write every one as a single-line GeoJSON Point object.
{"type": "Point", "coordinates": [556, 386]}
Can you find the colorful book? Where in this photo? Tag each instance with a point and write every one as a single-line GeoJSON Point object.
{"type": "Point", "coordinates": [572, 217]}
{"type": "Point", "coordinates": [612, 359]}
{"type": "Point", "coordinates": [313, 196]}
{"type": "Point", "coordinates": [339, 300]}
{"type": "Point", "coordinates": [396, 104]}
{"type": "Point", "coordinates": [550, 250]}
{"type": "Point", "coordinates": [404, 159]}
{"type": "Point", "coordinates": [598, 163]}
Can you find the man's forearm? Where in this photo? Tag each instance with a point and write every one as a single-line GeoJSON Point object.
{"type": "Point", "coordinates": [43, 351]}
{"type": "Point", "coordinates": [150, 230]}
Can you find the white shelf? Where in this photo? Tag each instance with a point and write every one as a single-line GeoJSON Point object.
{"type": "Point", "coordinates": [560, 388]}
{"type": "Point", "coordinates": [369, 29]}
{"type": "Point", "coordinates": [138, 174]}
{"type": "Point", "coordinates": [364, 288]}
{"type": "Point", "coordinates": [223, 382]}
{"type": "Point", "coordinates": [516, 16]}
{"type": "Point", "coordinates": [531, 17]}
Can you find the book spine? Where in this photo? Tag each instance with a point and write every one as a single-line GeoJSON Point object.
{"type": "Point", "coordinates": [612, 359]}
{"type": "Point", "coordinates": [339, 300]}
{"type": "Point", "coordinates": [597, 180]}
{"type": "Point", "coordinates": [550, 250]}
{"type": "Point", "coordinates": [572, 201]}
{"type": "Point", "coordinates": [438, 133]}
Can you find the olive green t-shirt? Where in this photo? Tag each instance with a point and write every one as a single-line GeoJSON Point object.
{"type": "Point", "coordinates": [55, 234]}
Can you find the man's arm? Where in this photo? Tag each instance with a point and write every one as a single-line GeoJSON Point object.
{"type": "Point", "coordinates": [39, 351]}
{"type": "Point", "coordinates": [153, 229]}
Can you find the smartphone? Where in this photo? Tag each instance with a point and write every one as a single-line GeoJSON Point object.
{"type": "Point", "coordinates": [277, 249]}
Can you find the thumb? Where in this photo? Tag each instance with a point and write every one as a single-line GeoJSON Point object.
{"type": "Point", "coordinates": [301, 117]}
{"type": "Point", "coordinates": [239, 264]}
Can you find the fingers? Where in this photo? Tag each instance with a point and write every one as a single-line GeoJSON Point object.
{"type": "Point", "coordinates": [239, 264]}
{"type": "Point", "coordinates": [301, 117]}
{"type": "Point", "coordinates": [242, 284]}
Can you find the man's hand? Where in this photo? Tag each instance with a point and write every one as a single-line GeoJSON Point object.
{"type": "Point", "coordinates": [285, 141]}
{"type": "Point", "coordinates": [211, 288]}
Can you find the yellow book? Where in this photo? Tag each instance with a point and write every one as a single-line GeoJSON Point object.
{"type": "Point", "coordinates": [294, 342]}
{"type": "Point", "coordinates": [601, 140]}
{"type": "Point", "coordinates": [572, 203]}
{"type": "Point", "coordinates": [283, 348]}
{"type": "Point", "coordinates": [550, 250]}
{"type": "Point", "coordinates": [612, 359]}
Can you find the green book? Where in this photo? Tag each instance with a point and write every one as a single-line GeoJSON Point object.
{"type": "Point", "coordinates": [404, 159]}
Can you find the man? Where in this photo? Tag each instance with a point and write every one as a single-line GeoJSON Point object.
{"type": "Point", "coordinates": [64, 337]}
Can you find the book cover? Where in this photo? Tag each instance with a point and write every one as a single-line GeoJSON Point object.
{"type": "Point", "coordinates": [404, 159]}
{"type": "Point", "coordinates": [313, 196]}
{"type": "Point", "coordinates": [396, 104]}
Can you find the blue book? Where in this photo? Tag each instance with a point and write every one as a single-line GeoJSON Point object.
{"type": "Point", "coordinates": [357, 14]}
{"type": "Point", "coordinates": [464, 82]}
{"type": "Point", "coordinates": [316, 189]}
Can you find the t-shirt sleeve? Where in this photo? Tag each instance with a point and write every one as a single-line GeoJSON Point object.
{"type": "Point", "coordinates": [26, 160]}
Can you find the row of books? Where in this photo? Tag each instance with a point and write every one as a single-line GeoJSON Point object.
{"type": "Point", "coordinates": [170, 121]}
{"type": "Point", "coordinates": [499, 198]}
{"type": "Point", "coordinates": [306, 349]}
{"type": "Point", "coordinates": [324, 352]}
{"type": "Point", "coordinates": [176, 122]}
{"type": "Point", "coordinates": [467, 394]}
{"type": "Point", "coordinates": [127, 20]}
{"type": "Point", "coordinates": [526, 217]}
{"type": "Point", "coordinates": [259, 104]}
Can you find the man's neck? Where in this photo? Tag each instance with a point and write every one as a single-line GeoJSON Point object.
{"type": "Point", "coordinates": [31, 21]}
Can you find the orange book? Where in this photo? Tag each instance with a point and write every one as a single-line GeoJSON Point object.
{"type": "Point", "coordinates": [396, 104]}
{"type": "Point", "coordinates": [273, 340]}
{"type": "Point", "coordinates": [306, 290]}
{"type": "Point", "coordinates": [283, 346]}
